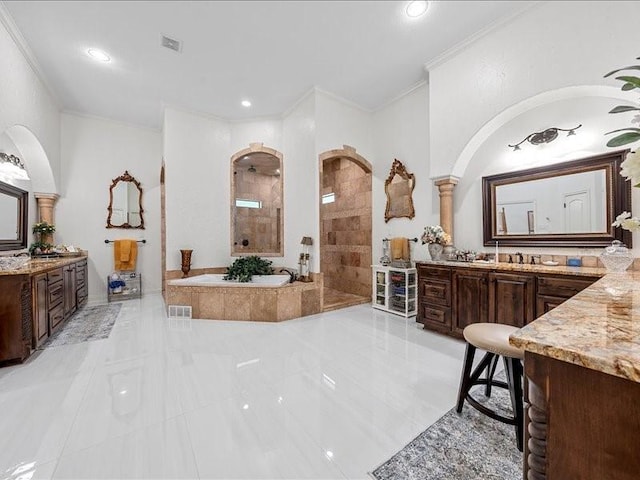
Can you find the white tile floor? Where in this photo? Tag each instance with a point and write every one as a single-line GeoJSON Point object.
{"type": "Point", "coordinates": [329, 396]}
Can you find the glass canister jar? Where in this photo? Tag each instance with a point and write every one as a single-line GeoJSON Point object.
{"type": "Point", "coordinates": [616, 257]}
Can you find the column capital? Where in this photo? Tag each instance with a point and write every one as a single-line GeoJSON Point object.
{"type": "Point", "coordinates": [46, 196]}
{"type": "Point", "coordinates": [446, 180]}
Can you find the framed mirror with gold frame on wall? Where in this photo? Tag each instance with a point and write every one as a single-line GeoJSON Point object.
{"type": "Point", "coordinates": [399, 187]}
{"type": "Point", "coordinates": [564, 204]}
{"type": "Point", "coordinates": [125, 203]}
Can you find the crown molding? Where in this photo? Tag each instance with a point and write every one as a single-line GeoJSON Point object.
{"type": "Point", "coordinates": [342, 100]}
{"type": "Point", "coordinates": [297, 103]}
{"type": "Point", "coordinates": [122, 123]}
{"type": "Point", "coordinates": [464, 44]}
{"type": "Point", "coordinates": [406, 92]}
{"type": "Point", "coordinates": [10, 25]}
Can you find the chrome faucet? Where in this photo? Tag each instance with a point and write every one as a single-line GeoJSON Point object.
{"type": "Point", "coordinates": [520, 258]}
{"type": "Point", "coordinates": [533, 259]}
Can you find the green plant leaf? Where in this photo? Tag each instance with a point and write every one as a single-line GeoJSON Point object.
{"type": "Point", "coordinates": [629, 129]}
{"type": "Point", "coordinates": [629, 79]}
{"type": "Point", "coordinates": [623, 139]}
{"type": "Point", "coordinates": [631, 67]}
{"type": "Point", "coordinates": [623, 108]}
{"type": "Point", "coordinates": [628, 86]}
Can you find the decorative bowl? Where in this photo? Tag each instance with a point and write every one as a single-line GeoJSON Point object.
{"type": "Point", "coordinates": [617, 257]}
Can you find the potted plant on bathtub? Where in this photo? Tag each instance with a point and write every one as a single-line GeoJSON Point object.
{"type": "Point", "coordinates": [244, 268]}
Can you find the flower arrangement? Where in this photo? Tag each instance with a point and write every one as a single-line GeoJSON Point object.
{"type": "Point", "coordinates": [630, 168]}
{"type": "Point", "coordinates": [43, 228]}
{"type": "Point", "coordinates": [435, 234]}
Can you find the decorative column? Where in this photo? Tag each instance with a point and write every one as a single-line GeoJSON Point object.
{"type": "Point", "coordinates": [46, 210]}
{"type": "Point", "coordinates": [445, 186]}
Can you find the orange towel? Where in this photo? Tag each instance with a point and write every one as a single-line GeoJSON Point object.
{"type": "Point", "coordinates": [125, 253]}
{"type": "Point", "coordinates": [400, 248]}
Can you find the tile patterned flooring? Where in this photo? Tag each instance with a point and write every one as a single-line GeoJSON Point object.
{"type": "Point", "coordinates": [327, 396]}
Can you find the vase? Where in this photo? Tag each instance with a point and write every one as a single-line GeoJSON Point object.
{"type": "Point", "coordinates": [435, 250]}
{"type": "Point", "coordinates": [186, 262]}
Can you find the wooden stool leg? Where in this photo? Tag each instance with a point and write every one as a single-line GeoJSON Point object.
{"type": "Point", "coordinates": [465, 383]}
{"type": "Point", "coordinates": [513, 368]}
{"type": "Point", "coordinates": [490, 373]}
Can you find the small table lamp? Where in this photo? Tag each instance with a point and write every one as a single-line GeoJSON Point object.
{"type": "Point", "coordinates": [304, 260]}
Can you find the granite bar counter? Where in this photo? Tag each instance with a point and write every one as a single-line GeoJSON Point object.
{"type": "Point", "coordinates": [524, 268]}
{"type": "Point", "coordinates": [41, 265]}
{"type": "Point", "coordinates": [582, 368]}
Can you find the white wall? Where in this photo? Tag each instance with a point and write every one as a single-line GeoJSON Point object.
{"type": "Point", "coordinates": [301, 182]}
{"type": "Point", "coordinates": [25, 101]}
{"type": "Point", "coordinates": [94, 152]}
{"type": "Point", "coordinates": [196, 155]}
{"type": "Point", "coordinates": [552, 45]}
{"type": "Point", "coordinates": [400, 130]}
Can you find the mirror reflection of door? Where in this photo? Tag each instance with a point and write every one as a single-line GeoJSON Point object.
{"type": "Point", "coordinates": [257, 204]}
{"type": "Point", "coordinates": [577, 212]}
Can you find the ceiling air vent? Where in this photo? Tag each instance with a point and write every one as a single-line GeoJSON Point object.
{"type": "Point", "coordinates": [170, 43]}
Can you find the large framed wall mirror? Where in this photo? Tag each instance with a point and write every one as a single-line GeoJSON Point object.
{"type": "Point", "coordinates": [13, 217]}
{"type": "Point", "coordinates": [566, 204]}
{"type": "Point", "coordinates": [399, 187]}
{"type": "Point", "coordinates": [125, 203]}
{"type": "Point", "coordinates": [257, 217]}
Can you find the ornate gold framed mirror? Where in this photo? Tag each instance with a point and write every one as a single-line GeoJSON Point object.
{"type": "Point", "coordinates": [399, 187]}
{"type": "Point", "coordinates": [125, 203]}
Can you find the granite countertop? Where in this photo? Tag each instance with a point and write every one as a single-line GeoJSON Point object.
{"type": "Point", "coordinates": [40, 265]}
{"type": "Point", "coordinates": [599, 328]}
{"type": "Point", "coordinates": [515, 267]}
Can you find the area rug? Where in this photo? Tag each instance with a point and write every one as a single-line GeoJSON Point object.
{"type": "Point", "coordinates": [87, 324]}
{"type": "Point", "coordinates": [466, 446]}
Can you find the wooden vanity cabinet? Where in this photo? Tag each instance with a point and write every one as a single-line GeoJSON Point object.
{"type": "Point", "coordinates": [452, 297]}
{"type": "Point", "coordinates": [470, 288]}
{"type": "Point", "coordinates": [512, 298]}
{"type": "Point", "coordinates": [434, 297]}
{"type": "Point", "coordinates": [40, 292]}
{"type": "Point", "coordinates": [70, 290]}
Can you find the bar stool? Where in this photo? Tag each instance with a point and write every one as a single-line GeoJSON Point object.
{"type": "Point", "coordinates": [494, 339]}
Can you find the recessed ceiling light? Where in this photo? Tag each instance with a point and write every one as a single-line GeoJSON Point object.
{"type": "Point", "coordinates": [245, 103]}
{"type": "Point", "coordinates": [98, 55]}
{"type": "Point", "coordinates": [417, 8]}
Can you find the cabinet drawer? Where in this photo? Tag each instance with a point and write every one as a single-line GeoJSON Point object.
{"type": "Point", "coordinates": [56, 293]}
{"type": "Point", "coordinates": [431, 271]}
{"type": "Point", "coordinates": [82, 293]}
{"type": "Point", "coordinates": [80, 275]}
{"type": "Point", "coordinates": [435, 291]}
{"type": "Point", "coordinates": [56, 315]}
{"type": "Point", "coordinates": [434, 316]}
{"type": "Point", "coordinates": [54, 275]}
{"type": "Point", "coordinates": [563, 286]}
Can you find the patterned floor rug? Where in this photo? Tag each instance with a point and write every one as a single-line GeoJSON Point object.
{"type": "Point", "coordinates": [466, 446]}
{"type": "Point", "coordinates": [87, 324]}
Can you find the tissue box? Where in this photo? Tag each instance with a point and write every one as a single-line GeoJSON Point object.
{"type": "Point", "coordinates": [574, 262]}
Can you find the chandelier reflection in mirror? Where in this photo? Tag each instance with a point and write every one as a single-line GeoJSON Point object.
{"type": "Point", "coordinates": [11, 167]}
{"type": "Point", "coordinates": [546, 136]}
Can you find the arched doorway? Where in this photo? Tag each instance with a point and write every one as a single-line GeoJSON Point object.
{"type": "Point", "coordinates": [345, 227]}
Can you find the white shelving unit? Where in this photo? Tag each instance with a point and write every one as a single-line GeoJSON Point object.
{"type": "Point", "coordinates": [132, 288]}
{"type": "Point", "coordinates": [395, 290]}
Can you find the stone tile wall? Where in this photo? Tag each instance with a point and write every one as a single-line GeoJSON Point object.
{"type": "Point", "coordinates": [345, 230]}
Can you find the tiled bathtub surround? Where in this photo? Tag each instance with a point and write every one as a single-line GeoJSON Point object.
{"type": "Point", "coordinates": [262, 304]}
{"type": "Point", "coordinates": [345, 245]}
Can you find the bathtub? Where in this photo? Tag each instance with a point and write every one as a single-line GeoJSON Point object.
{"type": "Point", "coordinates": [216, 280]}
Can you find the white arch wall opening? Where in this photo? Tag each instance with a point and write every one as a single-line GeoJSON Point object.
{"type": "Point", "coordinates": [487, 152]}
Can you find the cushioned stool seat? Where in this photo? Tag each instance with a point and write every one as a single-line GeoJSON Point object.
{"type": "Point", "coordinates": [493, 338]}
